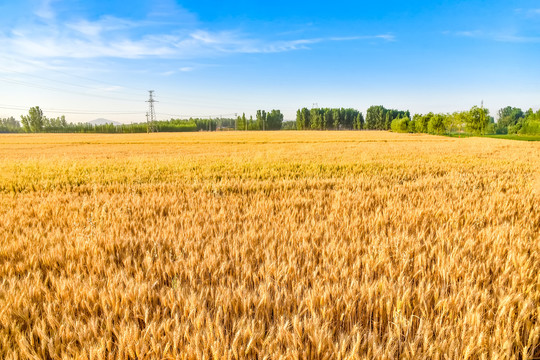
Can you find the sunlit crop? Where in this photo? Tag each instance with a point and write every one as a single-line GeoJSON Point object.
{"type": "Point", "coordinates": [308, 245]}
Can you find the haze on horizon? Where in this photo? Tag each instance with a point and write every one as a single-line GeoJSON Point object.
{"type": "Point", "coordinates": [97, 60]}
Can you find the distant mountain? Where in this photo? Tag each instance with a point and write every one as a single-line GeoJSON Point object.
{"type": "Point", "coordinates": [102, 121]}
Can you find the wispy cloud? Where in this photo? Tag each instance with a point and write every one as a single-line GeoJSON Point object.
{"type": "Point", "coordinates": [44, 10]}
{"type": "Point", "coordinates": [528, 12]}
{"type": "Point", "coordinates": [495, 36]}
{"type": "Point", "coordinates": [386, 37]}
{"type": "Point", "coordinates": [469, 33]}
{"type": "Point", "coordinates": [168, 73]}
{"type": "Point", "coordinates": [518, 39]}
{"type": "Point", "coordinates": [465, 33]}
{"type": "Point", "coordinates": [105, 24]}
{"type": "Point", "coordinates": [113, 37]}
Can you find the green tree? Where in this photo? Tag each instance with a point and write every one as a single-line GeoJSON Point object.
{"type": "Point", "coordinates": [239, 124]}
{"type": "Point", "coordinates": [459, 120]}
{"type": "Point", "coordinates": [400, 125]}
{"type": "Point", "coordinates": [436, 124]}
{"type": "Point", "coordinates": [261, 120]}
{"type": "Point", "coordinates": [388, 120]}
{"type": "Point", "coordinates": [374, 117]}
{"type": "Point", "coordinates": [380, 118]}
{"type": "Point", "coordinates": [9, 125]}
{"type": "Point", "coordinates": [350, 117]}
{"type": "Point", "coordinates": [274, 120]}
{"type": "Point", "coordinates": [327, 121]}
{"type": "Point", "coordinates": [421, 122]}
{"type": "Point", "coordinates": [478, 120]}
{"type": "Point", "coordinates": [359, 121]}
{"type": "Point", "coordinates": [508, 117]}
{"type": "Point", "coordinates": [336, 117]}
{"type": "Point", "coordinates": [244, 120]}
{"type": "Point", "coordinates": [300, 125]}
{"type": "Point", "coordinates": [531, 123]}
{"type": "Point", "coordinates": [306, 118]}
{"type": "Point", "coordinates": [33, 122]}
{"type": "Point", "coordinates": [315, 118]}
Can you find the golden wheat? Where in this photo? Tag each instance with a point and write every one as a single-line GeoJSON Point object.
{"type": "Point", "coordinates": [292, 245]}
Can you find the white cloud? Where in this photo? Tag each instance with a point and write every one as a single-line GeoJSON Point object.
{"type": "Point", "coordinates": [45, 11]}
{"type": "Point", "coordinates": [465, 33]}
{"type": "Point", "coordinates": [474, 33]}
{"type": "Point", "coordinates": [113, 37]}
{"type": "Point", "coordinates": [528, 12]}
{"type": "Point", "coordinates": [168, 73]}
{"type": "Point", "coordinates": [103, 25]}
{"type": "Point", "coordinates": [499, 37]}
{"type": "Point", "coordinates": [517, 39]}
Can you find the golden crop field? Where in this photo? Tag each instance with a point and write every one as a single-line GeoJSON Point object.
{"type": "Point", "coordinates": [275, 245]}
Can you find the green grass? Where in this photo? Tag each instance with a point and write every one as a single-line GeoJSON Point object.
{"type": "Point", "coordinates": [507, 137]}
{"type": "Point", "coordinates": [460, 135]}
{"type": "Point", "coordinates": [516, 137]}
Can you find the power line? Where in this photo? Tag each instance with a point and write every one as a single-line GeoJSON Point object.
{"type": "Point", "coordinates": [12, 107]}
{"type": "Point", "coordinates": [190, 96]}
{"type": "Point", "coordinates": [33, 85]}
{"type": "Point", "coordinates": [204, 101]}
{"type": "Point", "coordinates": [74, 112]}
{"type": "Point", "coordinates": [196, 116]}
{"type": "Point", "coordinates": [93, 113]}
{"type": "Point", "coordinates": [19, 82]}
{"type": "Point", "coordinates": [184, 96]}
{"type": "Point", "coordinates": [45, 78]}
{"type": "Point", "coordinates": [113, 112]}
{"type": "Point", "coordinates": [29, 63]}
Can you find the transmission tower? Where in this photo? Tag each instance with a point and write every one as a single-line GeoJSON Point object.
{"type": "Point", "coordinates": [151, 114]}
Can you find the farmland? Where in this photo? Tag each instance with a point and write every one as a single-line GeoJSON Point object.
{"type": "Point", "coordinates": [310, 245]}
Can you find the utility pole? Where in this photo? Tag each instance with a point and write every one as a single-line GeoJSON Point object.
{"type": "Point", "coordinates": [151, 114]}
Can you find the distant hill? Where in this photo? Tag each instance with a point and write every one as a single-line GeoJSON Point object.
{"type": "Point", "coordinates": [102, 121]}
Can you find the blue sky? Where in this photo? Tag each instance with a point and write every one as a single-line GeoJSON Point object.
{"type": "Point", "coordinates": [98, 59]}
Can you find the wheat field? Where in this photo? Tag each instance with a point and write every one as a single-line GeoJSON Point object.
{"type": "Point", "coordinates": [274, 245]}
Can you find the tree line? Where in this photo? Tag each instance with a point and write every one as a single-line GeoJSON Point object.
{"type": "Point", "coordinates": [515, 121]}
{"type": "Point", "coordinates": [380, 118]}
{"type": "Point", "coordinates": [264, 120]}
{"type": "Point", "coordinates": [475, 121]}
{"type": "Point", "coordinates": [36, 122]}
{"type": "Point", "coordinates": [329, 119]}
{"type": "Point", "coordinates": [9, 124]}
{"type": "Point", "coordinates": [511, 120]}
